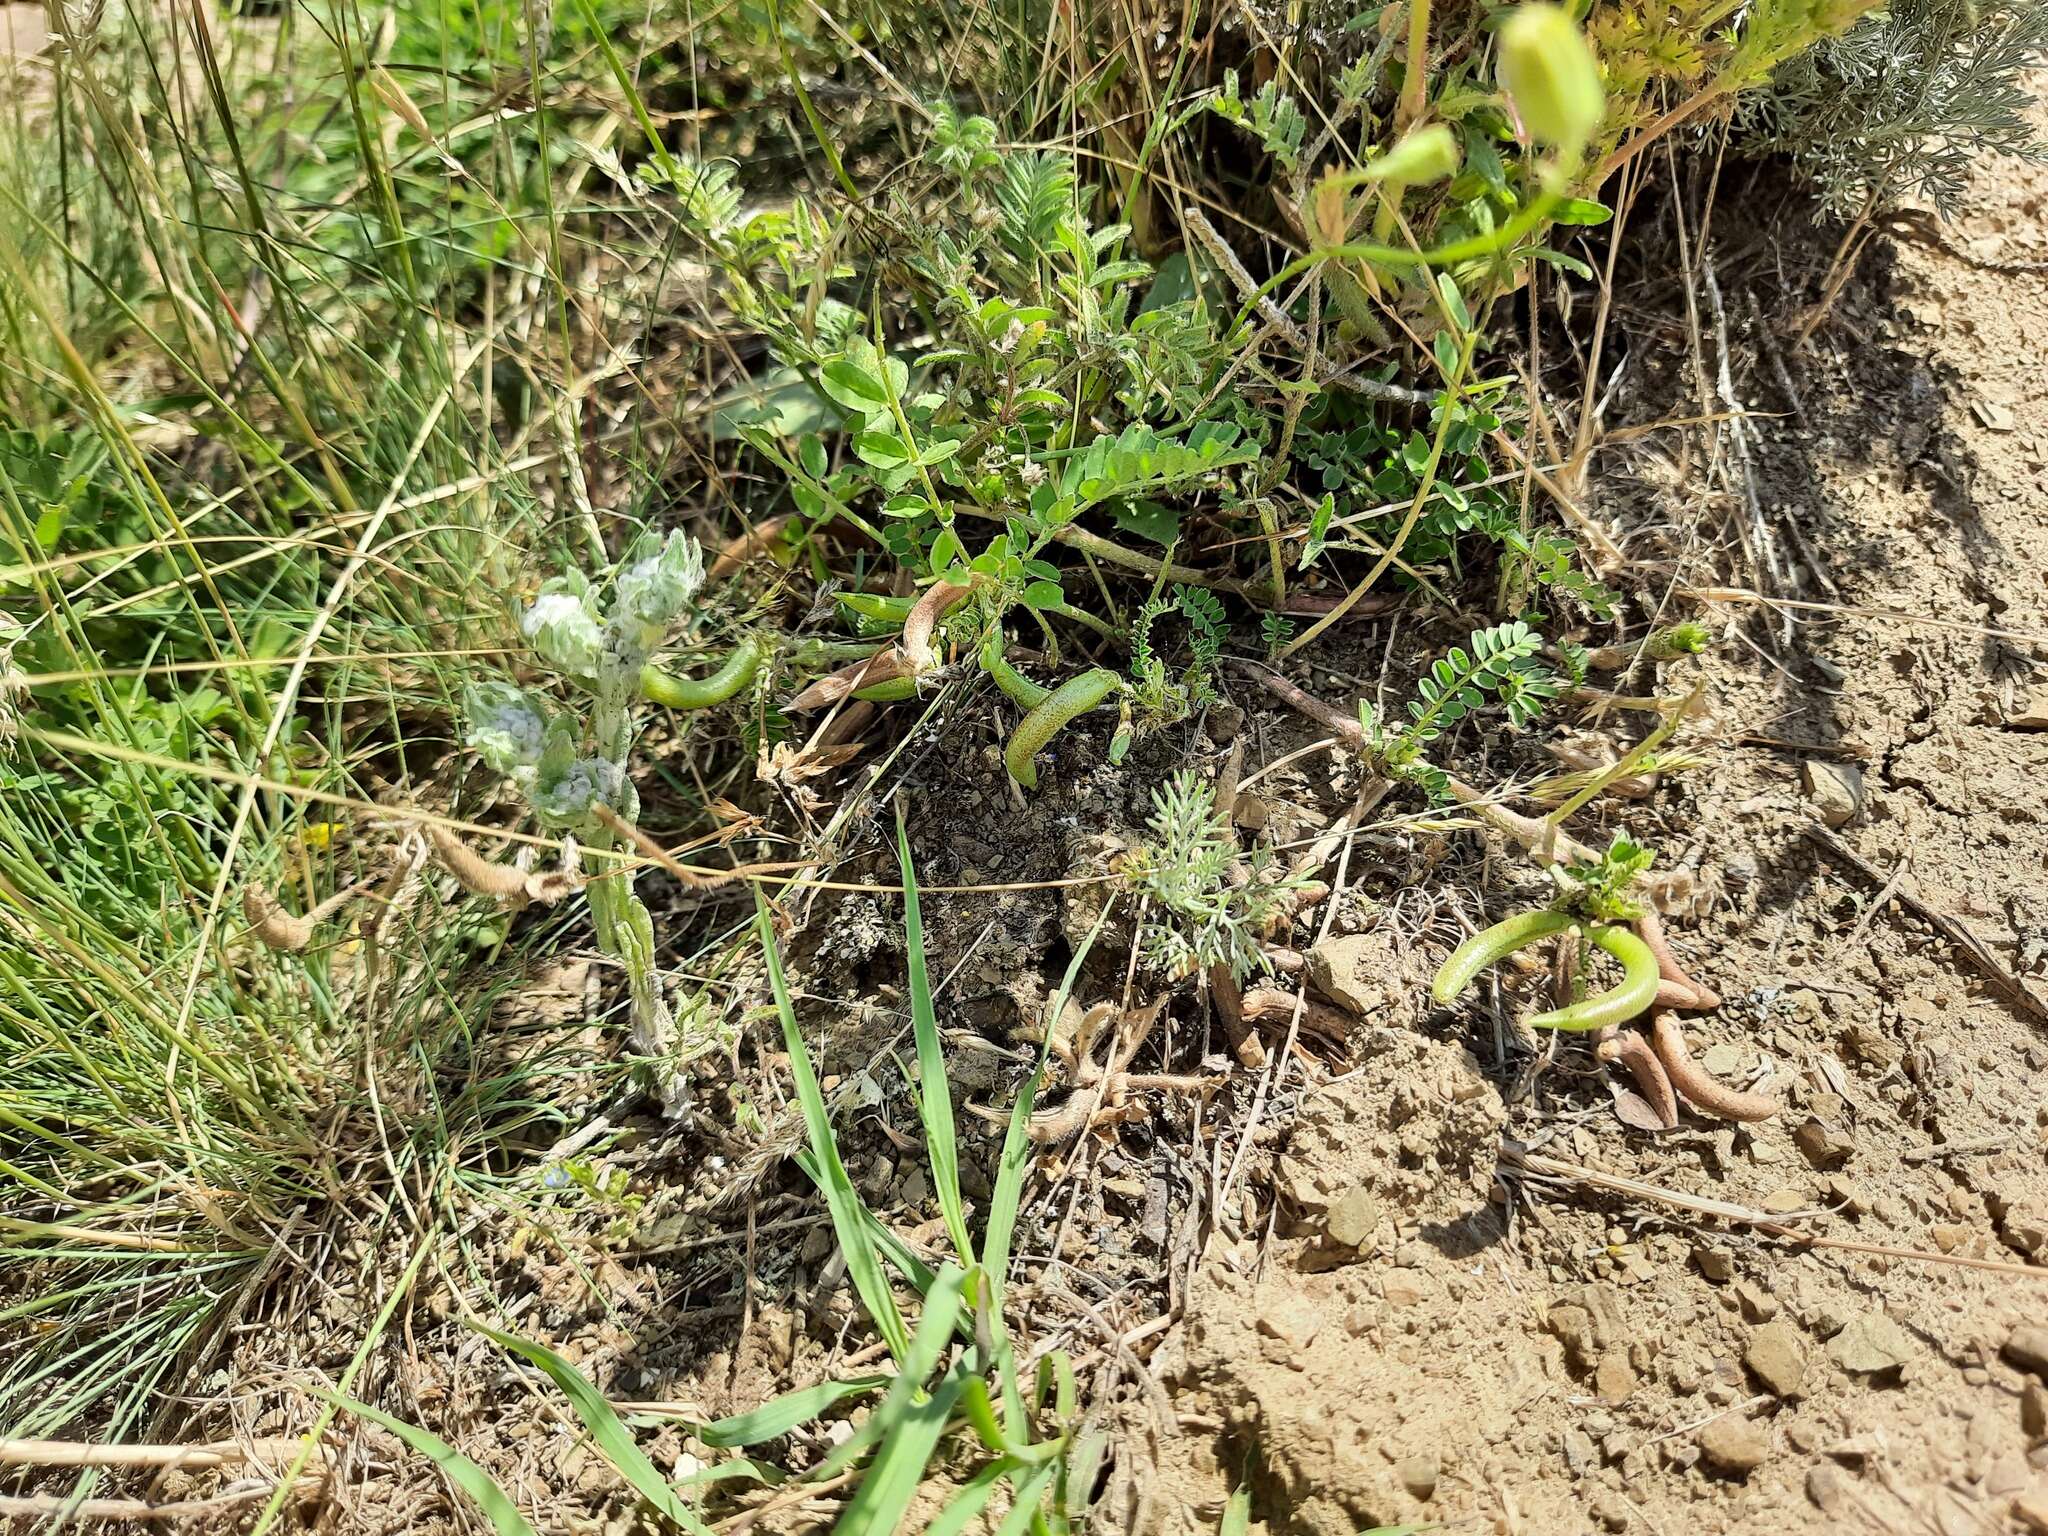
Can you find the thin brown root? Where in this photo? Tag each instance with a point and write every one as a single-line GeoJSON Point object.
{"type": "Point", "coordinates": [1695, 1086]}
{"type": "Point", "coordinates": [1629, 1050]}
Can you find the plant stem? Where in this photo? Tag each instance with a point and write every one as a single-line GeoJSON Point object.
{"type": "Point", "coordinates": [803, 100]}
{"type": "Point", "coordinates": [1422, 492]}
{"type": "Point", "coordinates": [1415, 83]}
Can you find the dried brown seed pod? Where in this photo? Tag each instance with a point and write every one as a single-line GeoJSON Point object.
{"type": "Point", "coordinates": [1693, 1083]}
{"type": "Point", "coordinates": [1650, 929]}
{"type": "Point", "coordinates": [285, 931]}
{"type": "Point", "coordinates": [472, 871]}
{"type": "Point", "coordinates": [923, 619]}
{"type": "Point", "coordinates": [1629, 1050]}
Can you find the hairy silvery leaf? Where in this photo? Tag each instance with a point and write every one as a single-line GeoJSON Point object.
{"type": "Point", "coordinates": [563, 794]}
{"type": "Point", "coordinates": [654, 588]}
{"type": "Point", "coordinates": [563, 630]}
{"type": "Point", "coordinates": [506, 728]}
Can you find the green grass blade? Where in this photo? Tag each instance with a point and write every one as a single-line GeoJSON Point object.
{"type": "Point", "coordinates": [736, 1469]}
{"type": "Point", "coordinates": [1008, 1194]}
{"type": "Point", "coordinates": [1237, 1512]}
{"type": "Point", "coordinates": [778, 1416]}
{"type": "Point", "coordinates": [1009, 1190]}
{"type": "Point", "coordinates": [962, 1509]}
{"type": "Point", "coordinates": [942, 1311]}
{"type": "Point", "coordinates": [878, 1505]}
{"type": "Point", "coordinates": [863, 1263]}
{"type": "Point", "coordinates": [471, 1480]}
{"type": "Point", "coordinates": [655, 143]}
{"type": "Point", "coordinates": [607, 1431]}
{"type": "Point", "coordinates": [934, 1093]}
{"type": "Point", "coordinates": [1030, 1494]}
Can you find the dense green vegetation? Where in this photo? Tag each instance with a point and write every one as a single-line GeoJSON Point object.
{"type": "Point", "coordinates": [401, 407]}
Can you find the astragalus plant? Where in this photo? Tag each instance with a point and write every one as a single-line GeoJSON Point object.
{"type": "Point", "coordinates": [568, 753]}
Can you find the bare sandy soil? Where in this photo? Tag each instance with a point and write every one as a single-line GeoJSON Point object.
{"type": "Point", "coordinates": [1427, 1337]}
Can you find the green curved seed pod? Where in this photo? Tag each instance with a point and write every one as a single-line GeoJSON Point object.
{"type": "Point", "coordinates": [1072, 699]}
{"type": "Point", "coordinates": [1491, 944]}
{"type": "Point", "coordinates": [1424, 155]}
{"type": "Point", "coordinates": [1637, 990]}
{"type": "Point", "coordinates": [894, 691]}
{"type": "Point", "coordinates": [738, 670]}
{"type": "Point", "coordinates": [1013, 683]}
{"type": "Point", "coordinates": [1545, 66]}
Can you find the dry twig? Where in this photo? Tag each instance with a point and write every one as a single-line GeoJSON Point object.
{"type": "Point", "coordinates": [2003, 981]}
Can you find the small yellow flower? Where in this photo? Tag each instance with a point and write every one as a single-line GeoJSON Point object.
{"type": "Point", "coordinates": [320, 835]}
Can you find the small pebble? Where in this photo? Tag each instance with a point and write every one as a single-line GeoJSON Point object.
{"type": "Point", "coordinates": [2034, 1411]}
{"type": "Point", "coordinates": [1826, 1484]}
{"type": "Point", "coordinates": [1777, 1356]}
{"type": "Point", "coordinates": [1418, 1475]}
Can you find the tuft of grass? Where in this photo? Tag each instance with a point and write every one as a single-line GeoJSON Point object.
{"type": "Point", "coordinates": [957, 1373]}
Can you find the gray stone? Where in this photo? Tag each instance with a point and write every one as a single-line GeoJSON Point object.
{"type": "Point", "coordinates": [1715, 1263]}
{"type": "Point", "coordinates": [1871, 1343]}
{"type": "Point", "coordinates": [1418, 1475]}
{"type": "Point", "coordinates": [2027, 1348]}
{"type": "Point", "coordinates": [1614, 1378]}
{"type": "Point", "coordinates": [1353, 1217]}
{"type": "Point", "coordinates": [1777, 1357]}
{"type": "Point", "coordinates": [1579, 1451]}
{"type": "Point", "coordinates": [1826, 1486]}
{"type": "Point", "coordinates": [1836, 790]}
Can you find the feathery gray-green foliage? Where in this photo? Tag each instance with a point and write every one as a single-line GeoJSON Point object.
{"type": "Point", "coordinates": [1905, 102]}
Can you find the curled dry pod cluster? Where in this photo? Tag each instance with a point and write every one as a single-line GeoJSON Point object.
{"type": "Point", "coordinates": [1695, 1085]}
{"type": "Point", "coordinates": [1661, 1067]}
